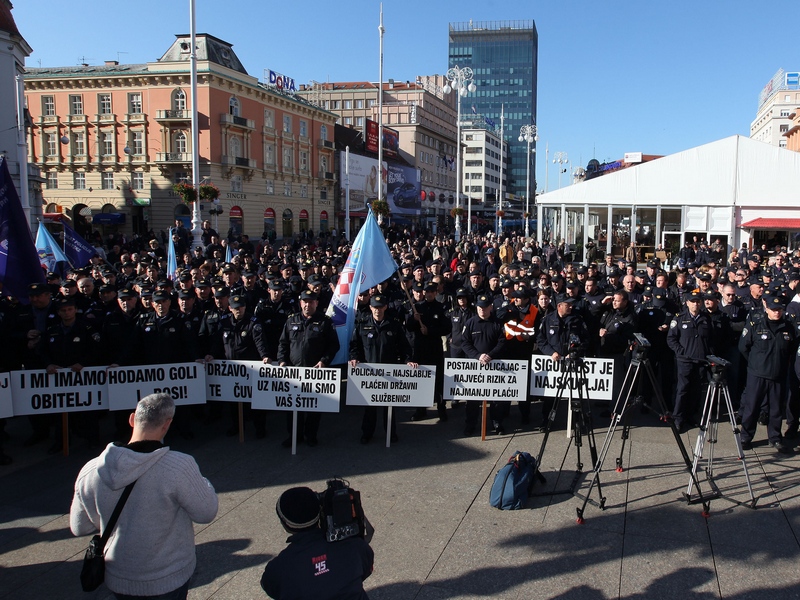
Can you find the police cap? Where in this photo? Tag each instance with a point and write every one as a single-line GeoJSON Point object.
{"type": "Point", "coordinates": [35, 289]}
{"type": "Point", "coordinates": [308, 295]}
{"type": "Point", "coordinates": [238, 301]}
{"type": "Point", "coordinates": [378, 301]}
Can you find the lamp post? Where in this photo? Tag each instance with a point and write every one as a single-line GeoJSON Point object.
{"type": "Point", "coordinates": [560, 158]}
{"type": "Point", "coordinates": [528, 133]}
{"type": "Point", "coordinates": [461, 81]}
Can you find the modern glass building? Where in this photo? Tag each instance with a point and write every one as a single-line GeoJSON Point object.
{"type": "Point", "coordinates": [503, 56]}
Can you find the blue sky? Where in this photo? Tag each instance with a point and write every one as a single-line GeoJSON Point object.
{"type": "Point", "coordinates": [616, 77]}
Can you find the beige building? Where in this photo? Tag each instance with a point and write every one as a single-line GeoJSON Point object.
{"type": "Point", "coordinates": [113, 139]}
{"type": "Point", "coordinates": [776, 103]}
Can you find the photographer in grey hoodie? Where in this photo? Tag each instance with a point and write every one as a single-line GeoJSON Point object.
{"type": "Point", "coordinates": [151, 551]}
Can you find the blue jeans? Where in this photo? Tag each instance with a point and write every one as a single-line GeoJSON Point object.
{"type": "Point", "coordinates": [179, 594]}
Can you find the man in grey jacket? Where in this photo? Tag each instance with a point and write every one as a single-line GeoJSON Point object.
{"type": "Point", "coordinates": [151, 551]}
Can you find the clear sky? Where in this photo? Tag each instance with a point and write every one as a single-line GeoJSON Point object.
{"type": "Point", "coordinates": [615, 77]}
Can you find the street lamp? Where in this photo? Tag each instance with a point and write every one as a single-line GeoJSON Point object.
{"type": "Point", "coordinates": [528, 133]}
{"type": "Point", "coordinates": [461, 81]}
{"type": "Point", "coordinates": [560, 158]}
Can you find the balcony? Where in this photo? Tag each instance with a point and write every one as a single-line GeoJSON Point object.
{"type": "Point", "coordinates": [228, 119]}
{"type": "Point", "coordinates": [75, 120]}
{"type": "Point", "coordinates": [173, 115]}
{"type": "Point", "coordinates": [49, 120]}
{"type": "Point", "coordinates": [173, 157]}
{"type": "Point", "coordinates": [134, 118]}
{"type": "Point", "coordinates": [325, 144]}
{"type": "Point", "coordinates": [238, 161]}
{"type": "Point", "coordinates": [327, 175]}
{"type": "Point", "coordinates": [106, 118]}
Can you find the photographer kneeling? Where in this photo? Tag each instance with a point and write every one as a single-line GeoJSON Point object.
{"type": "Point", "coordinates": [312, 567]}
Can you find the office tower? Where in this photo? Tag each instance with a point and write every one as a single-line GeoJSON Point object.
{"type": "Point", "coordinates": [503, 56]}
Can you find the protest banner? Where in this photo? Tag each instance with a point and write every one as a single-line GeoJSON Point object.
{"type": "Point", "coordinates": [497, 381]}
{"type": "Point", "coordinates": [547, 376]}
{"type": "Point", "coordinates": [231, 380]}
{"type": "Point", "coordinates": [305, 389]}
{"type": "Point", "coordinates": [6, 401]}
{"type": "Point", "coordinates": [185, 382]}
{"type": "Point", "coordinates": [375, 384]}
{"type": "Point", "coordinates": [38, 392]}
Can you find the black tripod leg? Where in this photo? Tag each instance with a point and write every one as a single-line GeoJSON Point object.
{"type": "Point", "coordinates": [628, 387]}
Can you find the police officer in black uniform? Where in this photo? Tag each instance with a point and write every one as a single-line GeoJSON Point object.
{"type": "Point", "coordinates": [241, 337]}
{"type": "Point", "coordinates": [272, 312]}
{"type": "Point", "coordinates": [379, 339]}
{"type": "Point", "coordinates": [308, 340]}
{"type": "Point", "coordinates": [458, 318]}
{"type": "Point", "coordinates": [767, 344]}
{"type": "Point", "coordinates": [689, 337]}
{"type": "Point", "coordinates": [484, 340]}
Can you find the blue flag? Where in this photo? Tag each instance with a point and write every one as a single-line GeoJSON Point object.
{"type": "Point", "coordinates": [77, 249]}
{"type": "Point", "coordinates": [228, 253]}
{"type": "Point", "coordinates": [19, 262]}
{"type": "Point", "coordinates": [369, 263]}
{"type": "Point", "coordinates": [172, 259]}
{"type": "Point", "coordinates": [50, 253]}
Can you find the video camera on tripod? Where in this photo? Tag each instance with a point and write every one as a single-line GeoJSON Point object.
{"type": "Point", "coordinates": [717, 366]}
{"type": "Point", "coordinates": [574, 345]}
{"type": "Point", "coordinates": [342, 514]}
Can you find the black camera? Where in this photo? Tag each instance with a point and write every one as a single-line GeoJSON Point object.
{"type": "Point", "coordinates": [342, 514]}
{"type": "Point", "coordinates": [640, 340]}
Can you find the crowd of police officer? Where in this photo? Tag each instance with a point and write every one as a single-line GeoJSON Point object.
{"type": "Point", "coordinates": [478, 299]}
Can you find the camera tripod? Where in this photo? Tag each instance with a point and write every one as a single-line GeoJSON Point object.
{"type": "Point", "coordinates": [639, 363]}
{"type": "Point", "coordinates": [579, 420]}
{"type": "Point", "coordinates": [709, 425]}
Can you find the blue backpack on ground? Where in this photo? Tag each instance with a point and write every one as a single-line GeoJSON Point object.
{"type": "Point", "coordinates": [514, 482]}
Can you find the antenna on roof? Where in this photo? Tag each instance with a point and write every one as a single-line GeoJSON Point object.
{"type": "Point", "coordinates": [118, 53]}
{"type": "Point", "coordinates": [83, 61]}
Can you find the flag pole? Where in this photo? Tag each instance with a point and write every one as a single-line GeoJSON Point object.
{"type": "Point", "coordinates": [196, 231]}
{"type": "Point", "coordinates": [22, 152]}
{"type": "Point", "coordinates": [381, 31]}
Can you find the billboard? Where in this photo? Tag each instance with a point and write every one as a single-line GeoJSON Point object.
{"type": "Point", "coordinates": [391, 140]}
{"type": "Point", "coordinates": [363, 181]}
{"type": "Point", "coordinates": [403, 190]}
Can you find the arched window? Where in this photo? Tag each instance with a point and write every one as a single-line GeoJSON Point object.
{"type": "Point", "coordinates": [179, 142]}
{"type": "Point", "coordinates": [323, 164]}
{"type": "Point", "coordinates": [183, 214]}
{"type": "Point", "coordinates": [288, 221]}
{"type": "Point", "coordinates": [179, 100]}
{"type": "Point", "coordinates": [233, 106]}
{"type": "Point", "coordinates": [323, 132]}
{"type": "Point", "coordinates": [234, 147]}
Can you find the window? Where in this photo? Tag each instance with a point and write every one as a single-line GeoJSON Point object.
{"type": "Point", "coordinates": [79, 144]}
{"type": "Point", "coordinates": [372, 102]}
{"type": "Point", "coordinates": [785, 112]}
{"type": "Point", "coordinates": [270, 154]}
{"type": "Point", "coordinates": [180, 177]}
{"type": "Point", "coordinates": [104, 104]}
{"type": "Point", "coordinates": [236, 183]}
{"type": "Point", "coordinates": [179, 100]}
{"type": "Point", "coordinates": [287, 189]}
{"type": "Point", "coordinates": [52, 144]}
{"type": "Point", "coordinates": [303, 128]}
{"type": "Point", "coordinates": [107, 181]}
{"type": "Point", "coordinates": [360, 121]}
{"type": "Point", "coordinates": [359, 104]}
{"type": "Point", "coordinates": [287, 124]}
{"type": "Point", "coordinates": [52, 180]}
{"type": "Point", "coordinates": [287, 158]}
{"type": "Point", "coordinates": [784, 128]}
{"type": "Point", "coordinates": [782, 143]}
{"type": "Point", "coordinates": [323, 163]}
{"type": "Point", "coordinates": [108, 144]}
{"type": "Point", "coordinates": [135, 103]}
{"type": "Point", "coordinates": [234, 147]}
{"type": "Point", "coordinates": [48, 106]}
{"type": "Point", "coordinates": [270, 186]}
{"type": "Point", "coordinates": [348, 120]}
{"type": "Point", "coordinates": [233, 106]}
{"type": "Point", "coordinates": [179, 142]}
{"type": "Point", "coordinates": [304, 191]}
{"type": "Point", "coordinates": [269, 118]}
{"type": "Point", "coordinates": [787, 98]}
{"type": "Point", "coordinates": [334, 104]}
{"type": "Point", "coordinates": [137, 180]}
{"type": "Point", "coordinates": [348, 105]}
{"type": "Point", "coordinates": [79, 181]}
{"type": "Point", "coordinates": [304, 161]}
{"type": "Point", "coordinates": [323, 132]}
{"type": "Point", "coordinates": [138, 143]}
{"type": "Point", "coordinates": [323, 193]}
{"type": "Point", "coordinates": [76, 105]}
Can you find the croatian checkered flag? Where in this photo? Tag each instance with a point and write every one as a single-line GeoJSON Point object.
{"type": "Point", "coordinates": [369, 263]}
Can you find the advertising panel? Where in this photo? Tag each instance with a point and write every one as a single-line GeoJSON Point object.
{"type": "Point", "coordinates": [403, 195]}
{"type": "Point", "coordinates": [364, 181]}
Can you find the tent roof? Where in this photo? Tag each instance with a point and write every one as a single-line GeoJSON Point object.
{"type": "Point", "coordinates": [734, 171]}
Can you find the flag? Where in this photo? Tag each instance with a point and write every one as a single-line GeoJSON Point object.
{"type": "Point", "coordinates": [19, 262]}
{"type": "Point", "coordinates": [228, 253]}
{"type": "Point", "coordinates": [172, 259]}
{"type": "Point", "coordinates": [474, 111]}
{"type": "Point", "coordinates": [77, 249]}
{"type": "Point", "coordinates": [369, 263]}
{"type": "Point", "coordinates": [50, 253]}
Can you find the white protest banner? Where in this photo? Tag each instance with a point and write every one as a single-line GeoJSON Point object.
{"type": "Point", "coordinates": [6, 402]}
{"type": "Point", "coordinates": [547, 376]}
{"type": "Point", "coordinates": [306, 389]}
{"type": "Point", "coordinates": [499, 380]}
{"type": "Point", "coordinates": [185, 382]}
{"type": "Point", "coordinates": [39, 392]}
{"type": "Point", "coordinates": [375, 384]}
{"type": "Point", "coordinates": [231, 380]}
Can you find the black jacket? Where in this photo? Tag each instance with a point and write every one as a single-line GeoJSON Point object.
{"type": "Point", "coordinates": [768, 347]}
{"type": "Point", "coordinates": [380, 342]}
{"type": "Point", "coordinates": [484, 336]}
{"type": "Point", "coordinates": [307, 341]}
{"type": "Point", "coordinates": [689, 338]}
